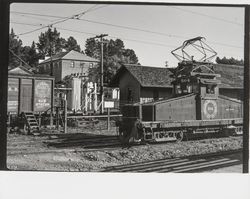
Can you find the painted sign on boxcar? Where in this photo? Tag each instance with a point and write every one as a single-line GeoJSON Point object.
{"type": "Point", "coordinates": [42, 101]}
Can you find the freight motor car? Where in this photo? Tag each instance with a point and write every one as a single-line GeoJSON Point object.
{"type": "Point", "coordinates": [195, 108]}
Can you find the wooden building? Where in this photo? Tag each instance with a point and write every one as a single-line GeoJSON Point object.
{"type": "Point", "coordinates": [144, 84]}
{"type": "Point", "coordinates": [67, 63]}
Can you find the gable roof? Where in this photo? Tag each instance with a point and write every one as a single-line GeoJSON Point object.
{"type": "Point", "coordinates": [70, 55]}
{"type": "Point", "coordinates": [147, 76]}
{"type": "Point", "coordinates": [231, 75]}
{"type": "Point", "coordinates": [20, 70]}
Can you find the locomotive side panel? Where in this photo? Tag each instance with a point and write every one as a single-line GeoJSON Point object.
{"type": "Point", "coordinates": [180, 109]}
{"type": "Point", "coordinates": [221, 108]}
{"type": "Point", "coordinates": [229, 108]}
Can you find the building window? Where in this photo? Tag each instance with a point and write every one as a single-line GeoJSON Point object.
{"type": "Point", "coordinates": [91, 65]}
{"type": "Point", "coordinates": [72, 64]}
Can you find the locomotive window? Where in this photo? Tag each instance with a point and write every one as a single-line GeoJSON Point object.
{"type": "Point", "coordinates": [210, 89]}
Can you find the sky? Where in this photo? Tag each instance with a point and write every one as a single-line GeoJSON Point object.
{"type": "Point", "coordinates": [151, 31]}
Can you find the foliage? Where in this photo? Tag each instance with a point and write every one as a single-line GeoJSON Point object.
{"type": "Point", "coordinates": [50, 43]}
{"type": "Point", "coordinates": [25, 53]}
{"type": "Point", "coordinates": [30, 55]}
{"type": "Point", "coordinates": [15, 45]}
{"type": "Point", "coordinates": [114, 54]}
{"type": "Point", "coordinates": [229, 61]}
{"type": "Point", "coordinates": [71, 44]}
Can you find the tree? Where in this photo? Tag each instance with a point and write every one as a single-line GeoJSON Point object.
{"type": "Point", "coordinates": [229, 61]}
{"type": "Point", "coordinates": [30, 55]}
{"type": "Point", "coordinates": [71, 44]}
{"type": "Point", "coordinates": [15, 46]}
{"type": "Point", "coordinates": [50, 43]}
{"type": "Point", "coordinates": [114, 54]}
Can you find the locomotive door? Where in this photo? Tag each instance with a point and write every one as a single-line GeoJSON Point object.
{"type": "Point", "coordinates": [26, 97]}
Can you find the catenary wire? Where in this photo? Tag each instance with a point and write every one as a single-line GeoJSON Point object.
{"type": "Point", "coordinates": [77, 16]}
{"type": "Point", "coordinates": [131, 28]}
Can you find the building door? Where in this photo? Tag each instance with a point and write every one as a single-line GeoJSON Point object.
{"type": "Point", "coordinates": [26, 101]}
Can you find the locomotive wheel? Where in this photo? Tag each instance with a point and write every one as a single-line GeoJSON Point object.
{"type": "Point", "coordinates": [179, 136]}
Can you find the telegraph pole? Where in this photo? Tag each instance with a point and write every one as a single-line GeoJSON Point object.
{"type": "Point", "coordinates": [101, 83]}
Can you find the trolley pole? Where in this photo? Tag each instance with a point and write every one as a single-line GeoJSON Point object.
{"type": "Point", "coordinates": [101, 82]}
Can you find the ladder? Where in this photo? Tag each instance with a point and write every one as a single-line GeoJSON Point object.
{"type": "Point", "coordinates": [31, 123]}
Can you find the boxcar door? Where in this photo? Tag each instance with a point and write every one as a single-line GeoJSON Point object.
{"type": "Point", "coordinates": [26, 101]}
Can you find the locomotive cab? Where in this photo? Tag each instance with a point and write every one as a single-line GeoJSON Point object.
{"type": "Point", "coordinates": [197, 78]}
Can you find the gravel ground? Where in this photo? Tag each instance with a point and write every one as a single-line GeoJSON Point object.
{"type": "Point", "coordinates": [33, 152]}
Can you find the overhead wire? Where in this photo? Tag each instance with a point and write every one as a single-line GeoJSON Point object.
{"type": "Point", "coordinates": [130, 28]}
{"type": "Point", "coordinates": [205, 15]}
{"type": "Point", "coordinates": [110, 36]}
{"type": "Point", "coordinates": [77, 16]}
{"type": "Point", "coordinates": [115, 37]}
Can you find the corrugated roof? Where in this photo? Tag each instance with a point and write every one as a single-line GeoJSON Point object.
{"type": "Point", "coordinates": [147, 76]}
{"type": "Point", "coordinates": [71, 55]}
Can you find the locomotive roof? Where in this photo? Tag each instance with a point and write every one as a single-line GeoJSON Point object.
{"type": "Point", "coordinates": [148, 76]}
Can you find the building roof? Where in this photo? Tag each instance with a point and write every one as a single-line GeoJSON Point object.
{"type": "Point", "coordinates": [231, 75]}
{"type": "Point", "coordinates": [147, 76]}
{"type": "Point", "coordinates": [71, 55]}
{"type": "Point", "coordinates": [20, 70]}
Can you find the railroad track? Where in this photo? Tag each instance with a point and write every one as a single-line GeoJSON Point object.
{"type": "Point", "coordinates": [189, 164]}
{"type": "Point", "coordinates": [63, 144]}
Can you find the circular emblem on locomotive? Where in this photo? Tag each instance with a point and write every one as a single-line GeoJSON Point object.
{"type": "Point", "coordinates": [210, 108]}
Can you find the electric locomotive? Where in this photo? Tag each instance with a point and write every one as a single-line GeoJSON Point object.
{"type": "Point", "coordinates": [196, 106]}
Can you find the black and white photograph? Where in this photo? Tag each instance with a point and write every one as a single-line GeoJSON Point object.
{"type": "Point", "coordinates": [105, 87]}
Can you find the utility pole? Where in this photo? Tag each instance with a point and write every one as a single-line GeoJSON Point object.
{"type": "Point", "coordinates": [51, 72]}
{"type": "Point", "coordinates": [101, 36]}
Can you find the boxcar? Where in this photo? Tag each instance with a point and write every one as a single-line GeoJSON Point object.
{"type": "Point", "coordinates": [29, 93]}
